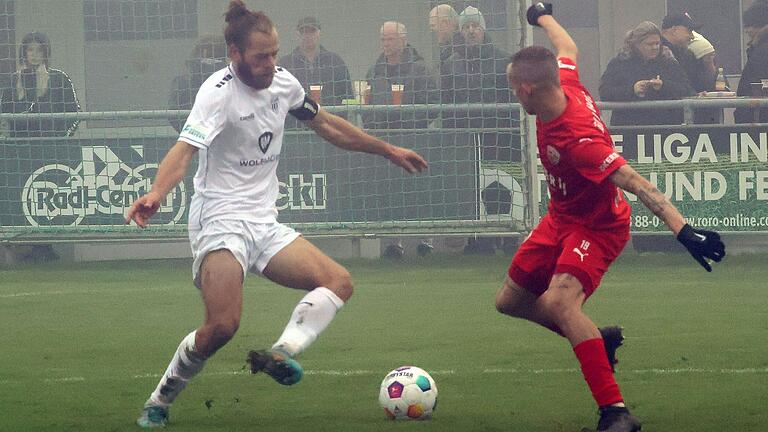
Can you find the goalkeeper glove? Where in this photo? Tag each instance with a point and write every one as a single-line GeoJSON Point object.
{"type": "Point", "coordinates": [702, 244]}
{"type": "Point", "coordinates": [538, 10]}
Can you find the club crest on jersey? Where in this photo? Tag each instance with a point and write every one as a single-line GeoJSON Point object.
{"type": "Point", "coordinates": [275, 105]}
{"type": "Point", "coordinates": [264, 141]}
{"type": "Point", "coordinates": [553, 155]}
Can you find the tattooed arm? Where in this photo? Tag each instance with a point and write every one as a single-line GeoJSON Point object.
{"type": "Point", "coordinates": [628, 179]}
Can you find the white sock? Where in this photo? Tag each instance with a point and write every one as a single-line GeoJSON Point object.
{"type": "Point", "coordinates": [310, 317]}
{"type": "Point", "coordinates": [185, 364]}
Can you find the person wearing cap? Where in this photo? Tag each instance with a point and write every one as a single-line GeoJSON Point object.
{"type": "Point", "coordinates": [312, 64]}
{"type": "Point", "coordinates": [755, 21]}
{"type": "Point", "coordinates": [643, 72]}
{"type": "Point", "coordinates": [677, 32]}
{"type": "Point", "coordinates": [475, 73]}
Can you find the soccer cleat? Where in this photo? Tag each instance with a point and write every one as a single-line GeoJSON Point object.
{"type": "Point", "coordinates": [153, 416]}
{"type": "Point", "coordinates": [617, 419]}
{"type": "Point", "coordinates": [612, 339]}
{"type": "Point", "coordinates": [277, 364]}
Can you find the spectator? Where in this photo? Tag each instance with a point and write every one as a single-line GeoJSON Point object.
{"type": "Point", "coordinates": [704, 53]}
{"type": "Point", "coordinates": [475, 73]}
{"type": "Point", "coordinates": [312, 64]}
{"type": "Point", "coordinates": [677, 32]}
{"type": "Point", "coordinates": [399, 63]}
{"type": "Point", "coordinates": [756, 27]}
{"type": "Point", "coordinates": [444, 22]}
{"type": "Point", "coordinates": [208, 56]}
{"type": "Point", "coordinates": [644, 70]}
{"type": "Point", "coordinates": [38, 88]}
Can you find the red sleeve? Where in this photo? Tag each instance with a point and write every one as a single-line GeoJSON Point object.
{"type": "Point", "coordinates": [569, 71]}
{"type": "Point", "coordinates": [595, 159]}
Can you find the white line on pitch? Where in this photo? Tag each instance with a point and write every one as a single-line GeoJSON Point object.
{"type": "Point", "coordinates": [501, 371]}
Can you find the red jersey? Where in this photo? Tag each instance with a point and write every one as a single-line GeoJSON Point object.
{"type": "Point", "coordinates": [578, 155]}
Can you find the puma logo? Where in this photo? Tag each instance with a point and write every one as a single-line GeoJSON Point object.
{"type": "Point", "coordinates": [580, 253]}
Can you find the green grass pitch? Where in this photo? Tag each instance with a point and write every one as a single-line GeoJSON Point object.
{"type": "Point", "coordinates": [82, 346]}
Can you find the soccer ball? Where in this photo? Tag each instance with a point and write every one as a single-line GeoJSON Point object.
{"type": "Point", "coordinates": [408, 393]}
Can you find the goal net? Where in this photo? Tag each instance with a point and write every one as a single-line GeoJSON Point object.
{"type": "Point", "coordinates": [94, 93]}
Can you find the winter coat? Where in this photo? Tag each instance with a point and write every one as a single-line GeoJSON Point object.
{"type": "Point", "coordinates": [755, 69]}
{"type": "Point", "coordinates": [328, 70]}
{"type": "Point", "coordinates": [699, 76]}
{"type": "Point", "coordinates": [618, 81]}
{"type": "Point", "coordinates": [184, 87]}
{"type": "Point", "coordinates": [59, 98]}
{"type": "Point", "coordinates": [476, 74]}
{"type": "Point", "coordinates": [418, 88]}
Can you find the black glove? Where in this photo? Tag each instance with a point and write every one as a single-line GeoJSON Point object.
{"type": "Point", "coordinates": [702, 244]}
{"type": "Point", "coordinates": [537, 10]}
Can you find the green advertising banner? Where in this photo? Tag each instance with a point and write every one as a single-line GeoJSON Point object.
{"type": "Point", "coordinates": [716, 176]}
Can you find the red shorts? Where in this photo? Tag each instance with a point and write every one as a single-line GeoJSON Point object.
{"type": "Point", "coordinates": [551, 249]}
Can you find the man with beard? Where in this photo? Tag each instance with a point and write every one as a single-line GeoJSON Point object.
{"type": "Point", "coordinates": [237, 126]}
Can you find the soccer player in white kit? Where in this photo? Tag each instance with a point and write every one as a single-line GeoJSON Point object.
{"type": "Point", "coordinates": [236, 128]}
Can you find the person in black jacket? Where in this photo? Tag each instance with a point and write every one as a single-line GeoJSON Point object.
{"type": "Point", "coordinates": [444, 23]}
{"type": "Point", "coordinates": [312, 64]}
{"type": "Point", "coordinates": [644, 70]}
{"type": "Point", "coordinates": [756, 68]}
{"type": "Point", "coordinates": [475, 73]}
{"type": "Point", "coordinates": [208, 56]}
{"type": "Point", "coordinates": [677, 33]}
{"type": "Point", "coordinates": [399, 63]}
{"type": "Point", "coordinates": [38, 88]}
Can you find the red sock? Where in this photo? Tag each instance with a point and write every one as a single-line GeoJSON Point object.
{"type": "Point", "coordinates": [597, 372]}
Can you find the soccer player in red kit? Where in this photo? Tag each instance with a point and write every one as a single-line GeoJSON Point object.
{"type": "Point", "coordinates": [587, 225]}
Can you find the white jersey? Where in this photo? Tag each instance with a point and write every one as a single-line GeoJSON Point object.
{"type": "Point", "coordinates": [239, 131]}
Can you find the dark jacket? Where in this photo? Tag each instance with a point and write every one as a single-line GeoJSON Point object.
{"type": "Point", "coordinates": [699, 76]}
{"type": "Point", "coordinates": [418, 88]}
{"type": "Point", "coordinates": [447, 49]}
{"type": "Point", "coordinates": [618, 81]}
{"type": "Point", "coordinates": [184, 87]}
{"type": "Point", "coordinates": [59, 98]}
{"type": "Point", "coordinates": [755, 69]}
{"type": "Point", "coordinates": [328, 70]}
{"type": "Point", "coordinates": [476, 74]}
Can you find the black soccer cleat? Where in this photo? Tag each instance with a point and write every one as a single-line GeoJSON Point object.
{"type": "Point", "coordinates": [617, 419]}
{"type": "Point", "coordinates": [612, 339]}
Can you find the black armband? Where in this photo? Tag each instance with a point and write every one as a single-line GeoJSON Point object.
{"type": "Point", "coordinates": [307, 111]}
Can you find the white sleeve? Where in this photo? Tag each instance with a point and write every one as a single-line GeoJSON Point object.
{"type": "Point", "coordinates": [206, 120]}
{"type": "Point", "coordinates": [296, 92]}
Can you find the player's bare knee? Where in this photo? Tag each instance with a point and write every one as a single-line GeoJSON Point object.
{"type": "Point", "coordinates": [341, 284]}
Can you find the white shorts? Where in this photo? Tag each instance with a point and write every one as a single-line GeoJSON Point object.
{"type": "Point", "coordinates": [252, 244]}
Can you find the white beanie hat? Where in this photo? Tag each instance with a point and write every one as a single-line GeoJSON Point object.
{"type": "Point", "coordinates": [471, 14]}
{"type": "Point", "coordinates": [700, 46]}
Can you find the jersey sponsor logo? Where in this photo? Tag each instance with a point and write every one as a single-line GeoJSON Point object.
{"type": "Point", "coordinates": [275, 103]}
{"type": "Point", "coordinates": [224, 80]}
{"type": "Point", "coordinates": [264, 141]}
{"type": "Point", "coordinates": [195, 131]}
{"type": "Point", "coordinates": [608, 161]}
{"type": "Point", "coordinates": [259, 162]}
{"type": "Point", "coordinates": [250, 116]}
{"type": "Point", "coordinates": [102, 184]}
{"type": "Point", "coordinates": [553, 155]}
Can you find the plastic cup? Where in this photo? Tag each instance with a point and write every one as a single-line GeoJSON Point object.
{"type": "Point", "coordinates": [362, 92]}
{"type": "Point", "coordinates": [397, 94]}
{"type": "Point", "coordinates": [316, 90]}
{"type": "Point", "coordinates": [764, 82]}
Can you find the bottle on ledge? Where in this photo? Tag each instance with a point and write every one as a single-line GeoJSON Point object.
{"type": "Point", "coordinates": [720, 84]}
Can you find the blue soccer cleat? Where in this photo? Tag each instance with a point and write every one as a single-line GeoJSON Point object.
{"type": "Point", "coordinates": [277, 364]}
{"type": "Point", "coordinates": [153, 416]}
